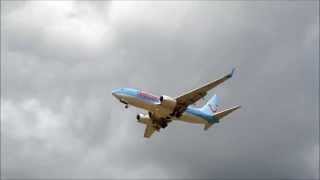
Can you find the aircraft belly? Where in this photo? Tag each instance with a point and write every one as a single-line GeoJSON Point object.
{"type": "Point", "coordinates": [192, 119]}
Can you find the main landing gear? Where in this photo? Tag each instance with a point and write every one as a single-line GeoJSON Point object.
{"type": "Point", "coordinates": [126, 106]}
{"type": "Point", "coordinates": [160, 123]}
{"type": "Point", "coordinates": [163, 124]}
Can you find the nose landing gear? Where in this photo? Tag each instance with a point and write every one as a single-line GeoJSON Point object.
{"type": "Point", "coordinates": [125, 103]}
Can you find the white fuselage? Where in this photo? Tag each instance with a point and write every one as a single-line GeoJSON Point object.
{"type": "Point", "coordinates": [158, 110]}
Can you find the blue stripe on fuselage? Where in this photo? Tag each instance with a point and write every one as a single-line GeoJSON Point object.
{"type": "Point", "coordinates": [197, 112]}
{"type": "Point", "coordinates": [127, 92]}
{"type": "Point", "coordinates": [148, 98]}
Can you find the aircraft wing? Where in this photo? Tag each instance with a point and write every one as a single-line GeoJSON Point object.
{"type": "Point", "coordinates": [149, 131]}
{"type": "Point", "coordinates": [152, 123]}
{"type": "Point", "coordinates": [193, 96]}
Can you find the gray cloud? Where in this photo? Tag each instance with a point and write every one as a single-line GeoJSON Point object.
{"type": "Point", "coordinates": [60, 60]}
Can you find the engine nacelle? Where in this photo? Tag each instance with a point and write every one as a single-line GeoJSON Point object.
{"type": "Point", "coordinates": [168, 102]}
{"type": "Point", "coordinates": [143, 118]}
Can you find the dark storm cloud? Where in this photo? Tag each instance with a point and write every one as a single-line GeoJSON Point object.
{"type": "Point", "coordinates": [61, 60]}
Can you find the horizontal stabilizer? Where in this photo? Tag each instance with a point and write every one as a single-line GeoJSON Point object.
{"type": "Point", "coordinates": [207, 126]}
{"type": "Point", "coordinates": [221, 114]}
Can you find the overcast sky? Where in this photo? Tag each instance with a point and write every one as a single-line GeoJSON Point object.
{"type": "Point", "coordinates": [61, 59]}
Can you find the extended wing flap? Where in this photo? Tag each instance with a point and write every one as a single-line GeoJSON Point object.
{"type": "Point", "coordinates": [149, 131]}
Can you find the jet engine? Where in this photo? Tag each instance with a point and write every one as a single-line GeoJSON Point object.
{"type": "Point", "coordinates": [143, 118]}
{"type": "Point", "coordinates": [168, 102]}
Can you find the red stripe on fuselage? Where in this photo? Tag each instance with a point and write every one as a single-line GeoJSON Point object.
{"type": "Point", "coordinates": [148, 96]}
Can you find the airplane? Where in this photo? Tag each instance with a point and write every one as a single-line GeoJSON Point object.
{"type": "Point", "coordinates": [164, 109]}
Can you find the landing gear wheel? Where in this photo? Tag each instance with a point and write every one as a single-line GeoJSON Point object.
{"type": "Point", "coordinates": [126, 106]}
{"type": "Point", "coordinates": [163, 124]}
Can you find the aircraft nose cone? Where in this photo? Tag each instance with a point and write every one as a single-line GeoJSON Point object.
{"type": "Point", "coordinates": [115, 93]}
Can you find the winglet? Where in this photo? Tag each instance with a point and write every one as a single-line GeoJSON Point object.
{"type": "Point", "coordinates": [231, 74]}
{"type": "Point", "coordinates": [233, 69]}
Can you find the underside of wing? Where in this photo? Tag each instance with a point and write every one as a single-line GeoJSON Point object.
{"type": "Point", "coordinates": [152, 123]}
{"type": "Point", "coordinates": [193, 96]}
{"type": "Point", "coordinates": [149, 131]}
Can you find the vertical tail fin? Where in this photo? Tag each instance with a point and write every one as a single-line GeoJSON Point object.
{"type": "Point", "coordinates": [211, 106]}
